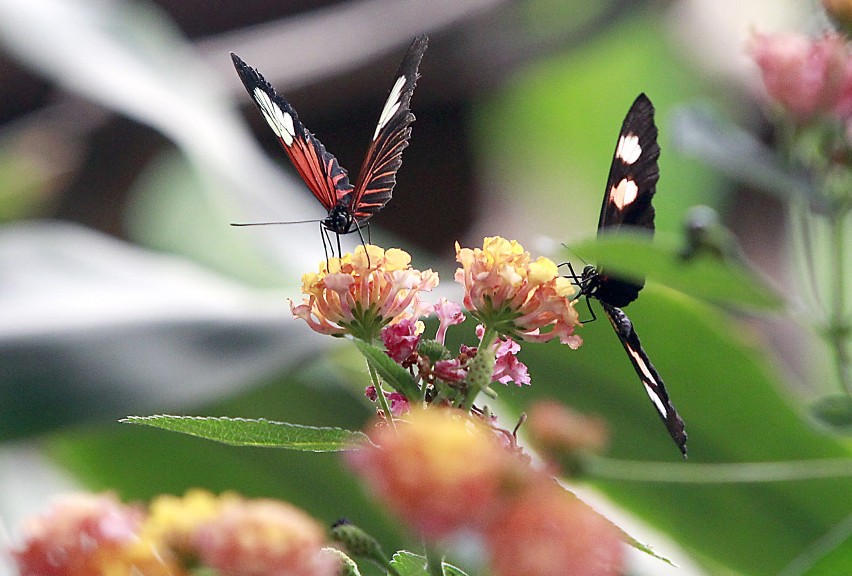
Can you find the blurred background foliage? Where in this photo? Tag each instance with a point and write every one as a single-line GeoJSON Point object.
{"type": "Point", "coordinates": [125, 151]}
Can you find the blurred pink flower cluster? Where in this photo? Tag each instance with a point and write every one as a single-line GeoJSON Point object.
{"type": "Point", "coordinates": [97, 535]}
{"type": "Point", "coordinates": [807, 77]}
{"type": "Point", "coordinates": [447, 474]}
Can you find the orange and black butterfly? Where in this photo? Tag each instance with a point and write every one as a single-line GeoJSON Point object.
{"type": "Point", "coordinates": [349, 207]}
{"type": "Point", "coordinates": [630, 188]}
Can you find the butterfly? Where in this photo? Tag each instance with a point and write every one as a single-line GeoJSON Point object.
{"type": "Point", "coordinates": [630, 188]}
{"type": "Point", "coordinates": [349, 207]}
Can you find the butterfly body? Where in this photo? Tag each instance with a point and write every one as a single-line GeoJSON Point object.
{"type": "Point", "coordinates": [630, 188]}
{"type": "Point", "coordinates": [349, 206]}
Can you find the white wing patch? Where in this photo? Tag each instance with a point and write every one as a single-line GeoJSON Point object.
{"type": "Point", "coordinates": [624, 194]}
{"type": "Point", "coordinates": [280, 122]}
{"type": "Point", "coordinates": [628, 150]}
{"type": "Point", "coordinates": [391, 106]}
{"type": "Point", "coordinates": [653, 395]}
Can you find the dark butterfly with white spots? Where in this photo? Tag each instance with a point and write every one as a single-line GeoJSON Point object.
{"type": "Point", "coordinates": [627, 203]}
{"type": "Point", "coordinates": [349, 207]}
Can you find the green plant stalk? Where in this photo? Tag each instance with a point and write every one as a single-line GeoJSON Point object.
{"type": "Point", "coordinates": [380, 394]}
{"type": "Point", "coordinates": [481, 368]}
{"type": "Point", "coordinates": [434, 562]}
{"type": "Point", "coordinates": [838, 324]}
{"type": "Point", "coordinates": [676, 473]}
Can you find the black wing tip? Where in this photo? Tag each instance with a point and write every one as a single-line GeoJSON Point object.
{"type": "Point", "coordinates": [419, 44]}
{"type": "Point", "coordinates": [643, 100]}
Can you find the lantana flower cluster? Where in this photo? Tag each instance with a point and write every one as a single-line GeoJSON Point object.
{"type": "Point", "coordinates": [97, 535]}
{"type": "Point", "coordinates": [513, 297]}
{"type": "Point", "coordinates": [449, 475]}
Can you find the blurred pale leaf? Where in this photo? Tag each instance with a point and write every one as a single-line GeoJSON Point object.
{"type": "Point", "coordinates": [94, 328]}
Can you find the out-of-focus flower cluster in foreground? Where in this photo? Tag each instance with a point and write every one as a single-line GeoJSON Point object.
{"type": "Point", "coordinates": [97, 535]}
{"type": "Point", "coordinates": [449, 475]}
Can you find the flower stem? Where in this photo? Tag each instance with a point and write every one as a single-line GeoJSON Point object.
{"type": "Point", "coordinates": [839, 328]}
{"type": "Point", "coordinates": [380, 395]}
{"type": "Point", "coordinates": [481, 368]}
{"type": "Point", "coordinates": [434, 562]}
{"type": "Point", "coordinates": [677, 473]}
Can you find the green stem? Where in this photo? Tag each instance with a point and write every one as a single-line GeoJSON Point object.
{"type": "Point", "coordinates": [380, 394]}
{"type": "Point", "coordinates": [481, 368]}
{"type": "Point", "coordinates": [434, 562]}
{"type": "Point", "coordinates": [677, 473]}
{"type": "Point", "coordinates": [838, 324]}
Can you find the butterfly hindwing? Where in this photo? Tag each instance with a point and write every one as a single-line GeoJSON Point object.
{"type": "Point", "coordinates": [378, 172]}
{"type": "Point", "coordinates": [327, 180]}
{"type": "Point", "coordinates": [651, 380]}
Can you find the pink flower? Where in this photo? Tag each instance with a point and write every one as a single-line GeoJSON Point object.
{"type": "Point", "coordinates": [399, 404]}
{"type": "Point", "coordinates": [90, 535]}
{"type": "Point", "coordinates": [401, 339]}
{"type": "Point", "coordinates": [449, 314]}
{"type": "Point", "coordinates": [440, 470]}
{"type": "Point", "coordinates": [514, 295]}
{"type": "Point", "coordinates": [806, 77]}
{"type": "Point", "coordinates": [358, 295]}
{"type": "Point", "coordinates": [264, 538]}
{"type": "Point", "coordinates": [449, 370]}
{"type": "Point", "coordinates": [508, 368]}
{"type": "Point", "coordinates": [547, 531]}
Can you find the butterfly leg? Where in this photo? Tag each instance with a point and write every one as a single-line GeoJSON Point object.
{"type": "Point", "coordinates": [325, 241]}
{"type": "Point", "coordinates": [361, 237]}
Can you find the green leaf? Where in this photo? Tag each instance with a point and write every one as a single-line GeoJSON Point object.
{"type": "Point", "coordinates": [703, 277]}
{"type": "Point", "coordinates": [260, 432]}
{"type": "Point", "coordinates": [392, 373]}
{"type": "Point", "coordinates": [411, 564]}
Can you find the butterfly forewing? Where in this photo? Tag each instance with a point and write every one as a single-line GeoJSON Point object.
{"type": "Point", "coordinates": [327, 180]}
{"type": "Point", "coordinates": [384, 157]}
{"type": "Point", "coordinates": [633, 174]}
{"type": "Point", "coordinates": [630, 188]}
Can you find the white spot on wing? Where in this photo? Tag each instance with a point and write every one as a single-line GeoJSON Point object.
{"type": "Point", "coordinates": [651, 394]}
{"type": "Point", "coordinates": [280, 121]}
{"type": "Point", "coordinates": [624, 193]}
{"type": "Point", "coordinates": [628, 149]}
{"type": "Point", "coordinates": [391, 106]}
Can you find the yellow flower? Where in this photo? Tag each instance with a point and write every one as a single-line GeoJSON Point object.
{"type": "Point", "coordinates": [174, 519]}
{"type": "Point", "coordinates": [358, 295]}
{"type": "Point", "coordinates": [515, 296]}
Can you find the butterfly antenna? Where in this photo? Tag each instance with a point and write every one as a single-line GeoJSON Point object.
{"type": "Point", "coordinates": [272, 223]}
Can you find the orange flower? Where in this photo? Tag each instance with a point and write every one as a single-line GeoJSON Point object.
{"type": "Point", "coordinates": [358, 295]}
{"type": "Point", "coordinates": [515, 296]}
{"type": "Point", "coordinates": [264, 538]}
{"type": "Point", "coordinates": [441, 471]}
{"type": "Point", "coordinates": [547, 531]}
{"type": "Point", "coordinates": [90, 535]}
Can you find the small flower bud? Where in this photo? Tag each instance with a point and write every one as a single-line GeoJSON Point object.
{"type": "Point", "coordinates": [358, 542]}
